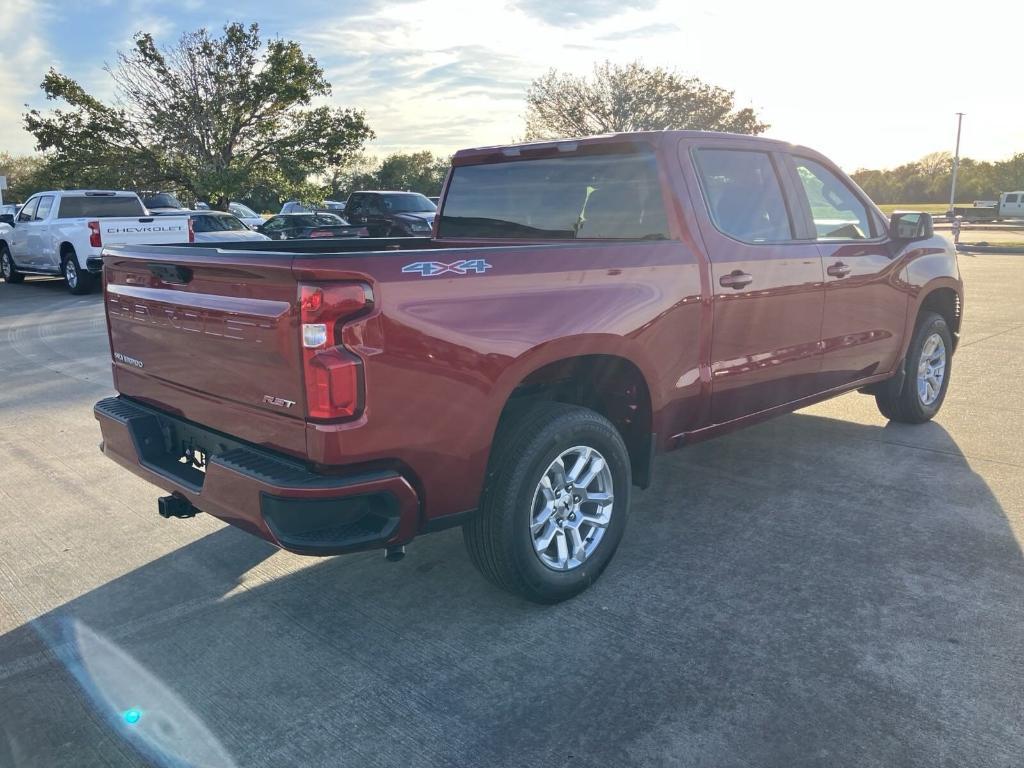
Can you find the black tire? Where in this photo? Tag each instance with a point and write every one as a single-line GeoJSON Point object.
{"type": "Point", "coordinates": [905, 404]}
{"type": "Point", "coordinates": [7, 269]}
{"type": "Point", "coordinates": [78, 280]}
{"type": "Point", "coordinates": [499, 538]}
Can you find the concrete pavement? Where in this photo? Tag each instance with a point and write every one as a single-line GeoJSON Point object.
{"type": "Point", "coordinates": [824, 589]}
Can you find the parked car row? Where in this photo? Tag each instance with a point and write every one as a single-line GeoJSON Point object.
{"type": "Point", "coordinates": [62, 233]}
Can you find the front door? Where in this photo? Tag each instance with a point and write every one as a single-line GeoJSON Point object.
{"type": "Point", "coordinates": [865, 304]}
{"type": "Point", "coordinates": [40, 243]}
{"type": "Point", "coordinates": [22, 235]}
{"type": "Point", "coordinates": [767, 284]}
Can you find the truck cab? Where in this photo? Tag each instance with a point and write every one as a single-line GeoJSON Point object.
{"type": "Point", "coordinates": [1011, 205]}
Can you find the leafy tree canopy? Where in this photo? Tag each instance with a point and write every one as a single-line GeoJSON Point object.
{"type": "Point", "coordinates": [631, 97]}
{"type": "Point", "coordinates": [210, 116]}
{"type": "Point", "coordinates": [422, 172]}
{"type": "Point", "coordinates": [928, 180]}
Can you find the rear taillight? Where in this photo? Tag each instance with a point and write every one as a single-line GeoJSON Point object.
{"type": "Point", "coordinates": [334, 375]}
{"type": "Point", "coordinates": [321, 233]}
{"type": "Point", "coordinates": [191, 230]}
{"type": "Point", "coordinates": [95, 239]}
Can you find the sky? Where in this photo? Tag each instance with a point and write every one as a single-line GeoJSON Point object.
{"type": "Point", "coordinates": [870, 84]}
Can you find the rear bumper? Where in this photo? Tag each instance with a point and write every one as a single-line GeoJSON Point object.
{"type": "Point", "coordinates": [94, 264]}
{"type": "Point", "coordinates": [260, 491]}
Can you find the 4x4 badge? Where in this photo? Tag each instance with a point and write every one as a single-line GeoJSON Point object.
{"type": "Point", "coordinates": [435, 268]}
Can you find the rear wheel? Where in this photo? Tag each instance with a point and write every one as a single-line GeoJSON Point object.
{"type": "Point", "coordinates": [927, 368]}
{"type": "Point", "coordinates": [7, 268]}
{"type": "Point", "coordinates": [79, 281]}
{"type": "Point", "coordinates": [555, 505]}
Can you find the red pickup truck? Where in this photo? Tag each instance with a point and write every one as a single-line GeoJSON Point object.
{"type": "Point", "coordinates": [580, 307]}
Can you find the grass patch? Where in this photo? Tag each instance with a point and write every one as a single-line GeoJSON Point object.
{"type": "Point", "coordinates": [932, 208]}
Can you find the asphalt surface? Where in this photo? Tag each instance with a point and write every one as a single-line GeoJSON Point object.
{"type": "Point", "coordinates": [824, 589]}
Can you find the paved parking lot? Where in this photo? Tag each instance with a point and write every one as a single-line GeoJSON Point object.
{"type": "Point", "coordinates": [824, 589]}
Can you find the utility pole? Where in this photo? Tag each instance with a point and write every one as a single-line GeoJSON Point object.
{"type": "Point", "coordinates": [956, 162]}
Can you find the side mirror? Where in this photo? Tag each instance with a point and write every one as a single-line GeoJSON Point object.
{"type": "Point", "coordinates": [259, 228]}
{"type": "Point", "coordinates": [911, 225]}
{"type": "Point", "coordinates": [7, 218]}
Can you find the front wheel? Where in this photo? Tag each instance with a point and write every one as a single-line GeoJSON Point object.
{"type": "Point", "coordinates": [7, 268]}
{"type": "Point", "coordinates": [79, 282]}
{"type": "Point", "coordinates": [928, 362]}
{"type": "Point", "coordinates": [555, 504]}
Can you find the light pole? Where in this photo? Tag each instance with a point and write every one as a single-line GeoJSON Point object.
{"type": "Point", "coordinates": [956, 162]}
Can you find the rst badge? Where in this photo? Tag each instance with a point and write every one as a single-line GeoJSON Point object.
{"type": "Point", "coordinates": [435, 268]}
{"type": "Point", "coordinates": [280, 402]}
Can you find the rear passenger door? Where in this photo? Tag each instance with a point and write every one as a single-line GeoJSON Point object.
{"type": "Point", "coordinates": [767, 287]}
{"type": "Point", "coordinates": [865, 306]}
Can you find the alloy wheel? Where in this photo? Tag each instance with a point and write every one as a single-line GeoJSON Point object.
{"type": "Point", "coordinates": [572, 508]}
{"type": "Point", "coordinates": [931, 369]}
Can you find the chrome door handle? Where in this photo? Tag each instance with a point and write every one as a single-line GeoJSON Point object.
{"type": "Point", "coordinates": [839, 269]}
{"type": "Point", "coordinates": [735, 279]}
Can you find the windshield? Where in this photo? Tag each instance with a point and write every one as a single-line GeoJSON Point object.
{"type": "Point", "coordinates": [408, 202]}
{"type": "Point", "coordinates": [99, 207]}
{"type": "Point", "coordinates": [243, 210]}
{"type": "Point", "coordinates": [213, 222]}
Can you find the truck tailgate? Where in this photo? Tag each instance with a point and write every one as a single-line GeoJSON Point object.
{"type": "Point", "coordinates": [145, 230]}
{"type": "Point", "coordinates": [212, 337]}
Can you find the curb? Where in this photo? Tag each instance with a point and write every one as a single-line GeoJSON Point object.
{"type": "Point", "coordinates": [968, 248]}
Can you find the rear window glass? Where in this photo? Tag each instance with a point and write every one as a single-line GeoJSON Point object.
{"type": "Point", "coordinates": [99, 207]}
{"type": "Point", "coordinates": [319, 220]}
{"type": "Point", "coordinates": [583, 197]}
{"type": "Point", "coordinates": [214, 223]}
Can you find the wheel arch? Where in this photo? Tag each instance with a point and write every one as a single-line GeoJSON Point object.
{"type": "Point", "coordinates": [67, 246]}
{"type": "Point", "coordinates": [606, 374]}
{"type": "Point", "coordinates": [942, 296]}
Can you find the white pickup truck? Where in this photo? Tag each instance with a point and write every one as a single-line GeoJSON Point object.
{"type": "Point", "coordinates": [63, 233]}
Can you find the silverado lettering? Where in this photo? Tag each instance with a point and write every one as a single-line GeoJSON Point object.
{"type": "Point", "coordinates": [630, 294]}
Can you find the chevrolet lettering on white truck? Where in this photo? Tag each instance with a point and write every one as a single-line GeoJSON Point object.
{"type": "Point", "coordinates": [63, 233]}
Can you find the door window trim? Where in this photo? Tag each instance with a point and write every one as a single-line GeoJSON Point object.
{"type": "Point", "coordinates": [797, 227]}
{"type": "Point", "coordinates": [804, 203]}
{"type": "Point", "coordinates": [42, 198]}
{"type": "Point", "coordinates": [30, 207]}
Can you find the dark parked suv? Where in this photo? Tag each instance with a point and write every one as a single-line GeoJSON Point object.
{"type": "Point", "coordinates": [391, 214]}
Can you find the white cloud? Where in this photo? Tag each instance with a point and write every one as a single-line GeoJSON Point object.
{"type": "Point", "coordinates": [26, 57]}
{"type": "Point", "coordinates": [875, 84]}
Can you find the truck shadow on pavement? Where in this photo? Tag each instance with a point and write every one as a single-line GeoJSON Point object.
{"type": "Point", "coordinates": [807, 592]}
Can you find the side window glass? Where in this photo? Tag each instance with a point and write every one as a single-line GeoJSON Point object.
{"type": "Point", "coordinates": [29, 211]}
{"type": "Point", "coordinates": [45, 203]}
{"type": "Point", "coordinates": [1011, 198]}
{"type": "Point", "coordinates": [274, 224]}
{"type": "Point", "coordinates": [838, 214]}
{"type": "Point", "coordinates": [744, 195]}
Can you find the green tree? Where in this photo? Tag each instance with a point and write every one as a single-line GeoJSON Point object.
{"type": "Point", "coordinates": [631, 97]}
{"type": "Point", "coordinates": [422, 172]}
{"type": "Point", "coordinates": [26, 174]}
{"type": "Point", "coordinates": [210, 116]}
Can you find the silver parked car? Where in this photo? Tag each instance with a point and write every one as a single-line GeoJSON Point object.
{"type": "Point", "coordinates": [220, 227]}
